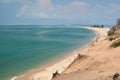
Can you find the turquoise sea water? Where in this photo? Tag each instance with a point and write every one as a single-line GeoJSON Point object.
{"type": "Point", "coordinates": [26, 47]}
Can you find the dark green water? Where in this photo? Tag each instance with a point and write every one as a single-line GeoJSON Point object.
{"type": "Point", "coordinates": [26, 47]}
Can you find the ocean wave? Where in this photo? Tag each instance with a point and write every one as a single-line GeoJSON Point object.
{"type": "Point", "coordinates": [14, 78]}
{"type": "Point", "coordinates": [14, 30]}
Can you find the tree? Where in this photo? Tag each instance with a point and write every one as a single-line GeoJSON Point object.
{"type": "Point", "coordinates": [102, 26]}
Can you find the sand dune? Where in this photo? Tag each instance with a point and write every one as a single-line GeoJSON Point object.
{"type": "Point", "coordinates": [101, 61]}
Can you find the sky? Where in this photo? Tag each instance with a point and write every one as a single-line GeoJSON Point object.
{"type": "Point", "coordinates": [57, 12]}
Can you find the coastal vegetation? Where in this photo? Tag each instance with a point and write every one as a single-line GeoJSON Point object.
{"type": "Point", "coordinates": [117, 44]}
{"type": "Point", "coordinates": [97, 26]}
{"type": "Point", "coordinates": [112, 31]}
{"type": "Point", "coordinates": [114, 35]}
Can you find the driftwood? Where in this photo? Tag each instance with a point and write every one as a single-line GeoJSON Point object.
{"type": "Point", "coordinates": [55, 74]}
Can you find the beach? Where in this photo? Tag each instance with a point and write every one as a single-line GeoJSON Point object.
{"type": "Point", "coordinates": [59, 40]}
{"type": "Point", "coordinates": [62, 66]}
{"type": "Point", "coordinates": [97, 62]}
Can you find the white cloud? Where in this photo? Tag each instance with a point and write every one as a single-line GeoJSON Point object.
{"type": "Point", "coordinates": [22, 11]}
{"type": "Point", "coordinates": [45, 9]}
{"type": "Point", "coordinates": [74, 9]}
{"type": "Point", "coordinates": [75, 3]}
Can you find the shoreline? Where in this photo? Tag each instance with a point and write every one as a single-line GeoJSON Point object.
{"type": "Point", "coordinates": [98, 62]}
{"type": "Point", "coordinates": [45, 72]}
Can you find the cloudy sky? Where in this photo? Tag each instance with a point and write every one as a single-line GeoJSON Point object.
{"type": "Point", "coordinates": [45, 12]}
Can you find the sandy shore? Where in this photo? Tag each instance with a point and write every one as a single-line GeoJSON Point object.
{"type": "Point", "coordinates": [98, 62]}
{"type": "Point", "coordinates": [62, 66]}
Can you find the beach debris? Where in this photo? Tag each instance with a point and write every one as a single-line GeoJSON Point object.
{"type": "Point", "coordinates": [55, 74]}
{"type": "Point", "coordinates": [116, 76]}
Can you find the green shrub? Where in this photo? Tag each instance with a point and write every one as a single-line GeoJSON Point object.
{"type": "Point", "coordinates": [113, 28]}
{"type": "Point", "coordinates": [110, 33]}
{"type": "Point", "coordinates": [110, 39]}
{"type": "Point", "coordinates": [116, 44]}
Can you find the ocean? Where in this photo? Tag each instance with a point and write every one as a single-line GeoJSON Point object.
{"type": "Point", "coordinates": [25, 47]}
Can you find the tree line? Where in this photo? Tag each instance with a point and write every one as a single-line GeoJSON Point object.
{"type": "Point", "coordinates": [97, 26]}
